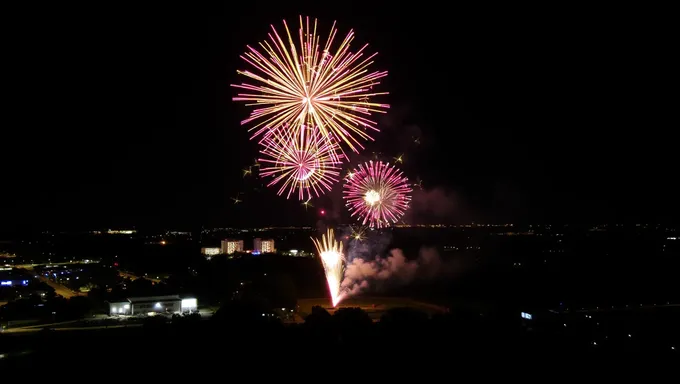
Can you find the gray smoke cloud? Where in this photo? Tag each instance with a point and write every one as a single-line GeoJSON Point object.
{"type": "Point", "coordinates": [393, 270]}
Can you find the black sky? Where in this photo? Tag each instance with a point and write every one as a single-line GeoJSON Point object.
{"type": "Point", "coordinates": [122, 116]}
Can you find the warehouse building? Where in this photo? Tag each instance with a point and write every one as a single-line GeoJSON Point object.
{"type": "Point", "coordinates": [151, 305]}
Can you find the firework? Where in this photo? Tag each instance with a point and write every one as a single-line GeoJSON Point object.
{"type": "Point", "coordinates": [305, 83]}
{"type": "Point", "coordinates": [330, 252]}
{"type": "Point", "coordinates": [377, 193]}
{"type": "Point", "coordinates": [300, 160]}
{"type": "Point", "coordinates": [358, 233]}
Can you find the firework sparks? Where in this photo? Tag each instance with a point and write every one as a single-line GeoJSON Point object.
{"type": "Point", "coordinates": [358, 233]}
{"type": "Point", "coordinates": [330, 252]}
{"type": "Point", "coordinates": [377, 193]}
{"type": "Point", "coordinates": [305, 83]}
{"type": "Point", "coordinates": [307, 204]}
{"type": "Point", "coordinates": [300, 160]}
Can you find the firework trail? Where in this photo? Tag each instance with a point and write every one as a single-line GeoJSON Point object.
{"type": "Point", "coordinates": [300, 160]}
{"type": "Point", "coordinates": [333, 260]}
{"type": "Point", "coordinates": [377, 194]}
{"type": "Point", "coordinates": [305, 83]}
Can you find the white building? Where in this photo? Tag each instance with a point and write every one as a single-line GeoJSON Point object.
{"type": "Point", "coordinates": [211, 251]}
{"type": "Point", "coordinates": [152, 305]}
{"type": "Point", "coordinates": [268, 246]}
{"type": "Point", "coordinates": [230, 246]}
{"type": "Point", "coordinates": [263, 246]}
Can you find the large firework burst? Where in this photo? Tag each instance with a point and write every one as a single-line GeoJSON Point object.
{"type": "Point", "coordinates": [300, 160]}
{"type": "Point", "coordinates": [309, 84]}
{"type": "Point", "coordinates": [377, 193]}
{"type": "Point", "coordinates": [330, 252]}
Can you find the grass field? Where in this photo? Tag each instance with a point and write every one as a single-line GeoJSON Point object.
{"type": "Point", "coordinates": [374, 306]}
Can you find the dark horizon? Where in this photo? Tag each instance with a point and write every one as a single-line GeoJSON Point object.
{"type": "Point", "coordinates": [126, 119]}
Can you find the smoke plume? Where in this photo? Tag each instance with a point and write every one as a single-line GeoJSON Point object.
{"type": "Point", "coordinates": [393, 270]}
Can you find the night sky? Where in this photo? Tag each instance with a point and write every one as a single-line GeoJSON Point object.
{"type": "Point", "coordinates": [123, 116]}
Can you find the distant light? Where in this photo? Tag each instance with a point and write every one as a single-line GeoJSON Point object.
{"type": "Point", "coordinates": [189, 304]}
{"type": "Point", "coordinates": [158, 305]}
{"type": "Point", "coordinates": [163, 242]}
{"type": "Point", "coordinates": [323, 212]}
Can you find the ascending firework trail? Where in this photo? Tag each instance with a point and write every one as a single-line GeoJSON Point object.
{"type": "Point", "coordinates": [330, 252]}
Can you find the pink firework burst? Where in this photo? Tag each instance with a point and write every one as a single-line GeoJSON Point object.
{"type": "Point", "coordinates": [296, 79]}
{"type": "Point", "coordinates": [301, 160]}
{"type": "Point", "coordinates": [377, 193]}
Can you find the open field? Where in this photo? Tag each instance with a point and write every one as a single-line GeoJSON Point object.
{"type": "Point", "coordinates": [374, 306]}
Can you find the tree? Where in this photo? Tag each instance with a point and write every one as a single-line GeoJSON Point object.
{"type": "Point", "coordinates": [352, 319]}
{"type": "Point", "coordinates": [140, 287]}
{"type": "Point", "coordinates": [79, 307]}
{"type": "Point", "coordinates": [319, 316]}
{"type": "Point", "coordinates": [281, 291]}
{"type": "Point", "coordinates": [403, 318]}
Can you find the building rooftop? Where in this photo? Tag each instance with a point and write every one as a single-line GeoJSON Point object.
{"type": "Point", "coordinates": [117, 301]}
{"type": "Point", "coordinates": [152, 298]}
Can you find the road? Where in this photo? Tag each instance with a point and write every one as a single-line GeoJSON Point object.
{"type": "Point", "coordinates": [82, 328]}
{"type": "Point", "coordinates": [130, 276]}
{"type": "Point", "coordinates": [29, 267]}
{"type": "Point", "coordinates": [38, 327]}
{"type": "Point", "coordinates": [87, 324]}
{"type": "Point", "coordinates": [60, 289]}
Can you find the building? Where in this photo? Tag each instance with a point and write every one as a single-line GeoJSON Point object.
{"type": "Point", "coordinates": [12, 278]}
{"type": "Point", "coordinates": [263, 246]}
{"type": "Point", "coordinates": [119, 308]}
{"type": "Point", "coordinates": [121, 231]}
{"type": "Point", "coordinates": [152, 305]}
{"type": "Point", "coordinates": [268, 246]}
{"type": "Point", "coordinates": [211, 251]}
{"type": "Point", "coordinates": [230, 246]}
